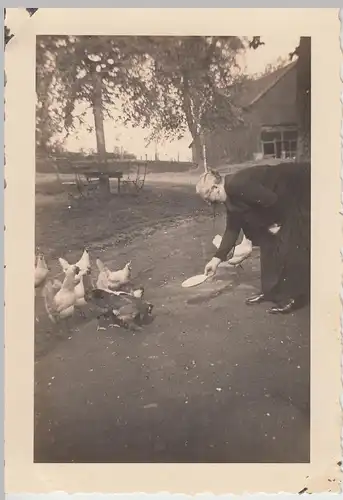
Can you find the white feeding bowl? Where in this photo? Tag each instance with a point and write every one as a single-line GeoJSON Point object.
{"type": "Point", "coordinates": [194, 280]}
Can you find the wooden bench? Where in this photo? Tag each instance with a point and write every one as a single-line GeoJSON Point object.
{"type": "Point", "coordinates": [97, 175]}
{"type": "Point", "coordinates": [87, 174]}
{"type": "Point", "coordinates": [136, 178]}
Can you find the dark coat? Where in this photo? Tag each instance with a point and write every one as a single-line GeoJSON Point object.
{"type": "Point", "coordinates": [259, 197]}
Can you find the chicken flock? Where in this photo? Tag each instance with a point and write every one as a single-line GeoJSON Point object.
{"type": "Point", "coordinates": [112, 296]}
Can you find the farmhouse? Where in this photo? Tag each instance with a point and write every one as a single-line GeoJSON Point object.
{"type": "Point", "coordinates": [270, 121]}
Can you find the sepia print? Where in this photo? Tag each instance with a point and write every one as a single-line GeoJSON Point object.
{"type": "Point", "coordinates": [131, 366]}
{"type": "Point", "coordinates": [172, 189]}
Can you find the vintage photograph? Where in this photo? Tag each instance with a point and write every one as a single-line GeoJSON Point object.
{"type": "Point", "coordinates": [172, 270]}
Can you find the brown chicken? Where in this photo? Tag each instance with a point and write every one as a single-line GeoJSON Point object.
{"type": "Point", "coordinates": [122, 309]}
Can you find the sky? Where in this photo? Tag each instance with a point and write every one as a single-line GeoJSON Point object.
{"type": "Point", "coordinates": [133, 139]}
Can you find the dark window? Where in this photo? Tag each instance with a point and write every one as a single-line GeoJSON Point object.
{"type": "Point", "coordinates": [268, 148]}
{"type": "Point", "coordinates": [279, 143]}
{"type": "Point", "coordinates": [290, 135]}
{"type": "Point", "coordinates": [270, 136]}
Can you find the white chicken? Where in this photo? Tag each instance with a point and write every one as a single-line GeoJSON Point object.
{"type": "Point", "coordinates": [84, 264]}
{"type": "Point", "coordinates": [41, 271]}
{"type": "Point", "coordinates": [84, 284]}
{"type": "Point", "coordinates": [138, 292]}
{"type": "Point", "coordinates": [60, 298]}
{"type": "Point", "coordinates": [112, 280]}
{"type": "Point", "coordinates": [241, 251]}
{"type": "Point", "coordinates": [80, 292]}
{"type": "Point", "coordinates": [85, 269]}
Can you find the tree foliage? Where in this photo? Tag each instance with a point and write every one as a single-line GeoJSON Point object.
{"type": "Point", "coordinates": [169, 84]}
{"type": "Point", "coordinates": [66, 66]}
{"type": "Point", "coordinates": [187, 84]}
{"type": "Point", "coordinates": [280, 62]}
{"type": "Point", "coordinates": [173, 85]}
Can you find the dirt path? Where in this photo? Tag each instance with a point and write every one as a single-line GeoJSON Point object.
{"type": "Point", "coordinates": [210, 380]}
{"type": "Point", "coordinates": [63, 228]}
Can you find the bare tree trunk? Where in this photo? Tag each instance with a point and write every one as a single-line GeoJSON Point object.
{"type": "Point", "coordinates": [44, 131]}
{"type": "Point", "coordinates": [100, 133]}
{"type": "Point", "coordinates": [198, 141]}
{"type": "Point", "coordinates": [203, 151]}
{"type": "Point", "coordinates": [197, 150]}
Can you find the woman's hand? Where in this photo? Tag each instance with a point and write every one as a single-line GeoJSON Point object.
{"type": "Point", "coordinates": [211, 266]}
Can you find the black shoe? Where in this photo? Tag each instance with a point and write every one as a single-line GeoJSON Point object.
{"type": "Point", "coordinates": [255, 299]}
{"type": "Point", "coordinates": [285, 308]}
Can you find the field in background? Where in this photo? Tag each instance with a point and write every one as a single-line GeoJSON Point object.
{"type": "Point", "coordinates": [46, 165]}
{"type": "Point", "coordinates": [64, 225]}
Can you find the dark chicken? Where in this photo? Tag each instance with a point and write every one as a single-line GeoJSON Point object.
{"type": "Point", "coordinates": [124, 310]}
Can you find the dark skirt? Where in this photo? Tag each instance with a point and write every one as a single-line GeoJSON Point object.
{"type": "Point", "coordinates": [285, 257]}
